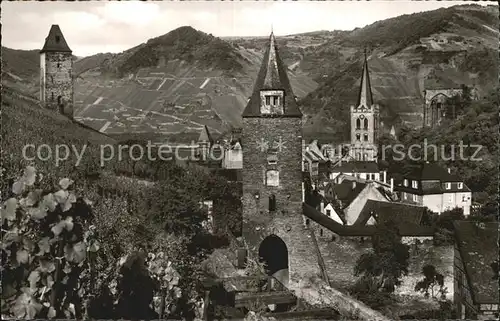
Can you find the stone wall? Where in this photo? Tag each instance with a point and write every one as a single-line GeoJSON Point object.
{"type": "Point", "coordinates": [58, 81]}
{"type": "Point", "coordinates": [286, 221]}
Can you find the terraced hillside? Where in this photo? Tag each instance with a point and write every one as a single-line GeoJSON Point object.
{"type": "Point", "coordinates": [172, 97]}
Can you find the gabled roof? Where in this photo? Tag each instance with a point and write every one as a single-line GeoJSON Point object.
{"type": "Point", "coordinates": [55, 41]}
{"type": "Point", "coordinates": [205, 135]}
{"type": "Point", "coordinates": [478, 246]}
{"type": "Point", "coordinates": [365, 97]}
{"type": "Point", "coordinates": [400, 213]}
{"type": "Point", "coordinates": [356, 167]}
{"type": "Point", "coordinates": [346, 193]}
{"type": "Point", "coordinates": [272, 76]}
{"type": "Point", "coordinates": [431, 172]}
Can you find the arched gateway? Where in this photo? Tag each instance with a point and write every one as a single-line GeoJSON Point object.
{"type": "Point", "coordinates": [274, 254]}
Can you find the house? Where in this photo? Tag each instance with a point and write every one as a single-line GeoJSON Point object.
{"type": "Point", "coordinates": [476, 271]}
{"type": "Point", "coordinates": [233, 152]}
{"type": "Point", "coordinates": [315, 162]}
{"type": "Point", "coordinates": [360, 169]}
{"type": "Point", "coordinates": [434, 187]}
{"type": "Point", "coordinates": [352, 197]}
{"type": "Point", "coordinates": [406, 216]}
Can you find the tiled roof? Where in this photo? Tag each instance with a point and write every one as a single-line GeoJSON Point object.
{"type": "Point", "coordinates": [431, 171]}
{"type": "Point", "coordinates": [273, 76]}
{"type": "Point", "coordinates": [55, 41]}
{"type": "Point", "coordinates": [400, 213]}
{"type": "Point", "coordinates": [346, 193]}
{"type": "Point", "coordinates": [478, 247]}
{"type": "Point", "coordinates": [356, 167]}
{"type": "Point", "coordinates": [350, 230]}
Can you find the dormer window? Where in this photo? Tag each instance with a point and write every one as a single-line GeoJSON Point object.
{"type": "Point", "coordinates": [271, 102]}
{"type": "Point", "coordinates": [405, 182]}
{"type": "Point", "coordinates": [447, 185]}
{"type": "Point", "coordinates": [460, 185]}
{"type": "Point", "coordinates": [58, 39]}
{"type": "Point", "coordinates": [414, 184]}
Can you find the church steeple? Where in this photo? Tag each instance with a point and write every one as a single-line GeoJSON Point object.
{"type": "Point", "coordinates": [365, 97]}
{"type": "Point", "coordinates": [272, 93]}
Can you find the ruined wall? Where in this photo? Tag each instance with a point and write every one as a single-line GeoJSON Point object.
{"type": "Point", "coordinates": [286, 221]}
{"type": "Point", "coordinates": [58, 81]}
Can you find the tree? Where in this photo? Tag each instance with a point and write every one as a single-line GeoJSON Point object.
{"type": "Point", "coordinates": [431, 280]}
{"type": "Point", "coordinates": [388, 260]}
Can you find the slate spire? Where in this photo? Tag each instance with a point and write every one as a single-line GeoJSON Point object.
{"type": "Point", "coordinates": [272, 76]}
{"type": "Point", "coordinates": [365, 97]}
{"type": "Point", "coordinates": [55, 41]}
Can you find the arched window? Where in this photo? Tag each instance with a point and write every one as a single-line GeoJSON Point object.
{"type": "Point", "coordinates": [366, 123]}
{"type": "Point", "coordinates": [358, 123]}
{"type": "Point", "coordinates": [358, 137]}
{"type": "Point", "coordinates": [272, 178]}
{"type": "Point", "coordinates": [272, 203]}
{"type": "Point", "coordinates": [365, 137]}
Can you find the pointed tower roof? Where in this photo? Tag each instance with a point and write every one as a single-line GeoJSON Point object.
{"type": "Point", "coordinates": [272, 76]}
{"type": "Point", "coordinates": [365, 97]}
{"type": "Point", "coordinates": [205, 135]}
{"type": "Point", "coordinates": [55, 41]}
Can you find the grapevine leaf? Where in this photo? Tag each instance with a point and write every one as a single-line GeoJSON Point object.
{"type": "Point", "coordinates": [67, 206]}
{"type": "Point", "coordinates": [33, 308]}
{"type": "Point", "coordinates": [18, 187]}
{"type": "Point", "coordinates": [47, 266]}
{"type": "Point", "coordinates": [65, 183]}
{"type": "Point", "coordinates": [22, 256]}
{"type": "Point", "coordinates": [67, 268]}
{"type": "Point", "coordinates": [33, 197]}
{"type": "Point", "coordinates": [19, 308]}
{"type": "Point", "coordinates": [58, 228]}
{"type": "Point", "coordinates": [29, 175]}
{"type": "Point", "coordinates": [37, 213]}
{"type": "Point", "coordinates": [44, 245]}
{"type": "Point", "coordinates": [61, 196]}
{"type": "Point", "coordinates": [28, 245]}
{"type": "Point", "coordinates": [68, 223]}
{"type": "Point", "coordinates": [10, 237]}
{"type": "Point", "coordinates": [94, 247]}
{"type": "Point", "coordinates": [33, 279]}
{"type": "Point", "coordinates": [76, 252]}
{"type": "Point", "coordinates": [52, 313]}
{"type": "Point", "coordinates": [9, 212]}
{"type": "Point", "coordinates": [50, 280]}
{"type": "Point", "coordinates": [49, 201]}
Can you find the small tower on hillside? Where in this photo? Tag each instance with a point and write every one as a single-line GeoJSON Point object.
{"type": "Point", "coordinates": [56, 73]}
{"type": "Point", "coordinates": [205, 141]}
{"type": "Point", "coordinates": [272, 174]}
{"type": "Point", "coordinates": [364, 121]}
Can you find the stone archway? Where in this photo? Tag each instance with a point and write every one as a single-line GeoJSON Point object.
{"type": "Point", "coordinates": [273, 252]}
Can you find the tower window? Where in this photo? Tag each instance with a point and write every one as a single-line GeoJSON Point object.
{"type": "Point", "coordinates": [365, 123]}
{"type": "Point", "coordinates": [358, 123]}
{"type": "Point", "coordinates": [272, 102]}
{"type": "Point", "coordinates": [272, 178]}
{"type": "Point", "coordinates": [58, 65]}
{"type": "Point", "coordinates": [272, 203]}
{"type": "Point", "coordinates": [52, 97]}
{"type": "Point", "coordinates": [58, 38]}
{"type": "Point", "coordinates": [358, 137]}
{"type": "Point", "coordinates": [328, 213]}
{"type": "Point", "coordinates": [365, 137]}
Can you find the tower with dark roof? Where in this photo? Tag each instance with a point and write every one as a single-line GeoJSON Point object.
{"type": "Point", "coordinates": [56, 67]}
{"type": "Point", "coordinates": [273, 227]}
{"type": "Point", "coordinates": [364, 120]}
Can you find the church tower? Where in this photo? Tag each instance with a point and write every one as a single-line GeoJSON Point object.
{"type": "Point", "coordinates": [364, 121]}
{"type": "Point", "coordinates": [273, 228]}
{"type": "Point", "coordinates": [56, 68]}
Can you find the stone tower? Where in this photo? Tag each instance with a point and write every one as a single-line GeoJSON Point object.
{"type": "Point", "coordinates": [273, 228]}
{"type": "Point", "coordinates": [364, 121]}
{"type": "Point", "coordinates": [56, 68]}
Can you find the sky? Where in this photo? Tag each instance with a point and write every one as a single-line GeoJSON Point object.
{"type": "Point", "coordinates": [91, 27]}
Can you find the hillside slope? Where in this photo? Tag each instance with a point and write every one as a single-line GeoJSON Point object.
{"type": "Point", "coordinates": [442, 48]}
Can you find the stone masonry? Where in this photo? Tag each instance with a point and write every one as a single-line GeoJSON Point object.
{"type": "Point", "coordinates": [286, 221]}
{"type": "Point", "coordinates": [58, 89]}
